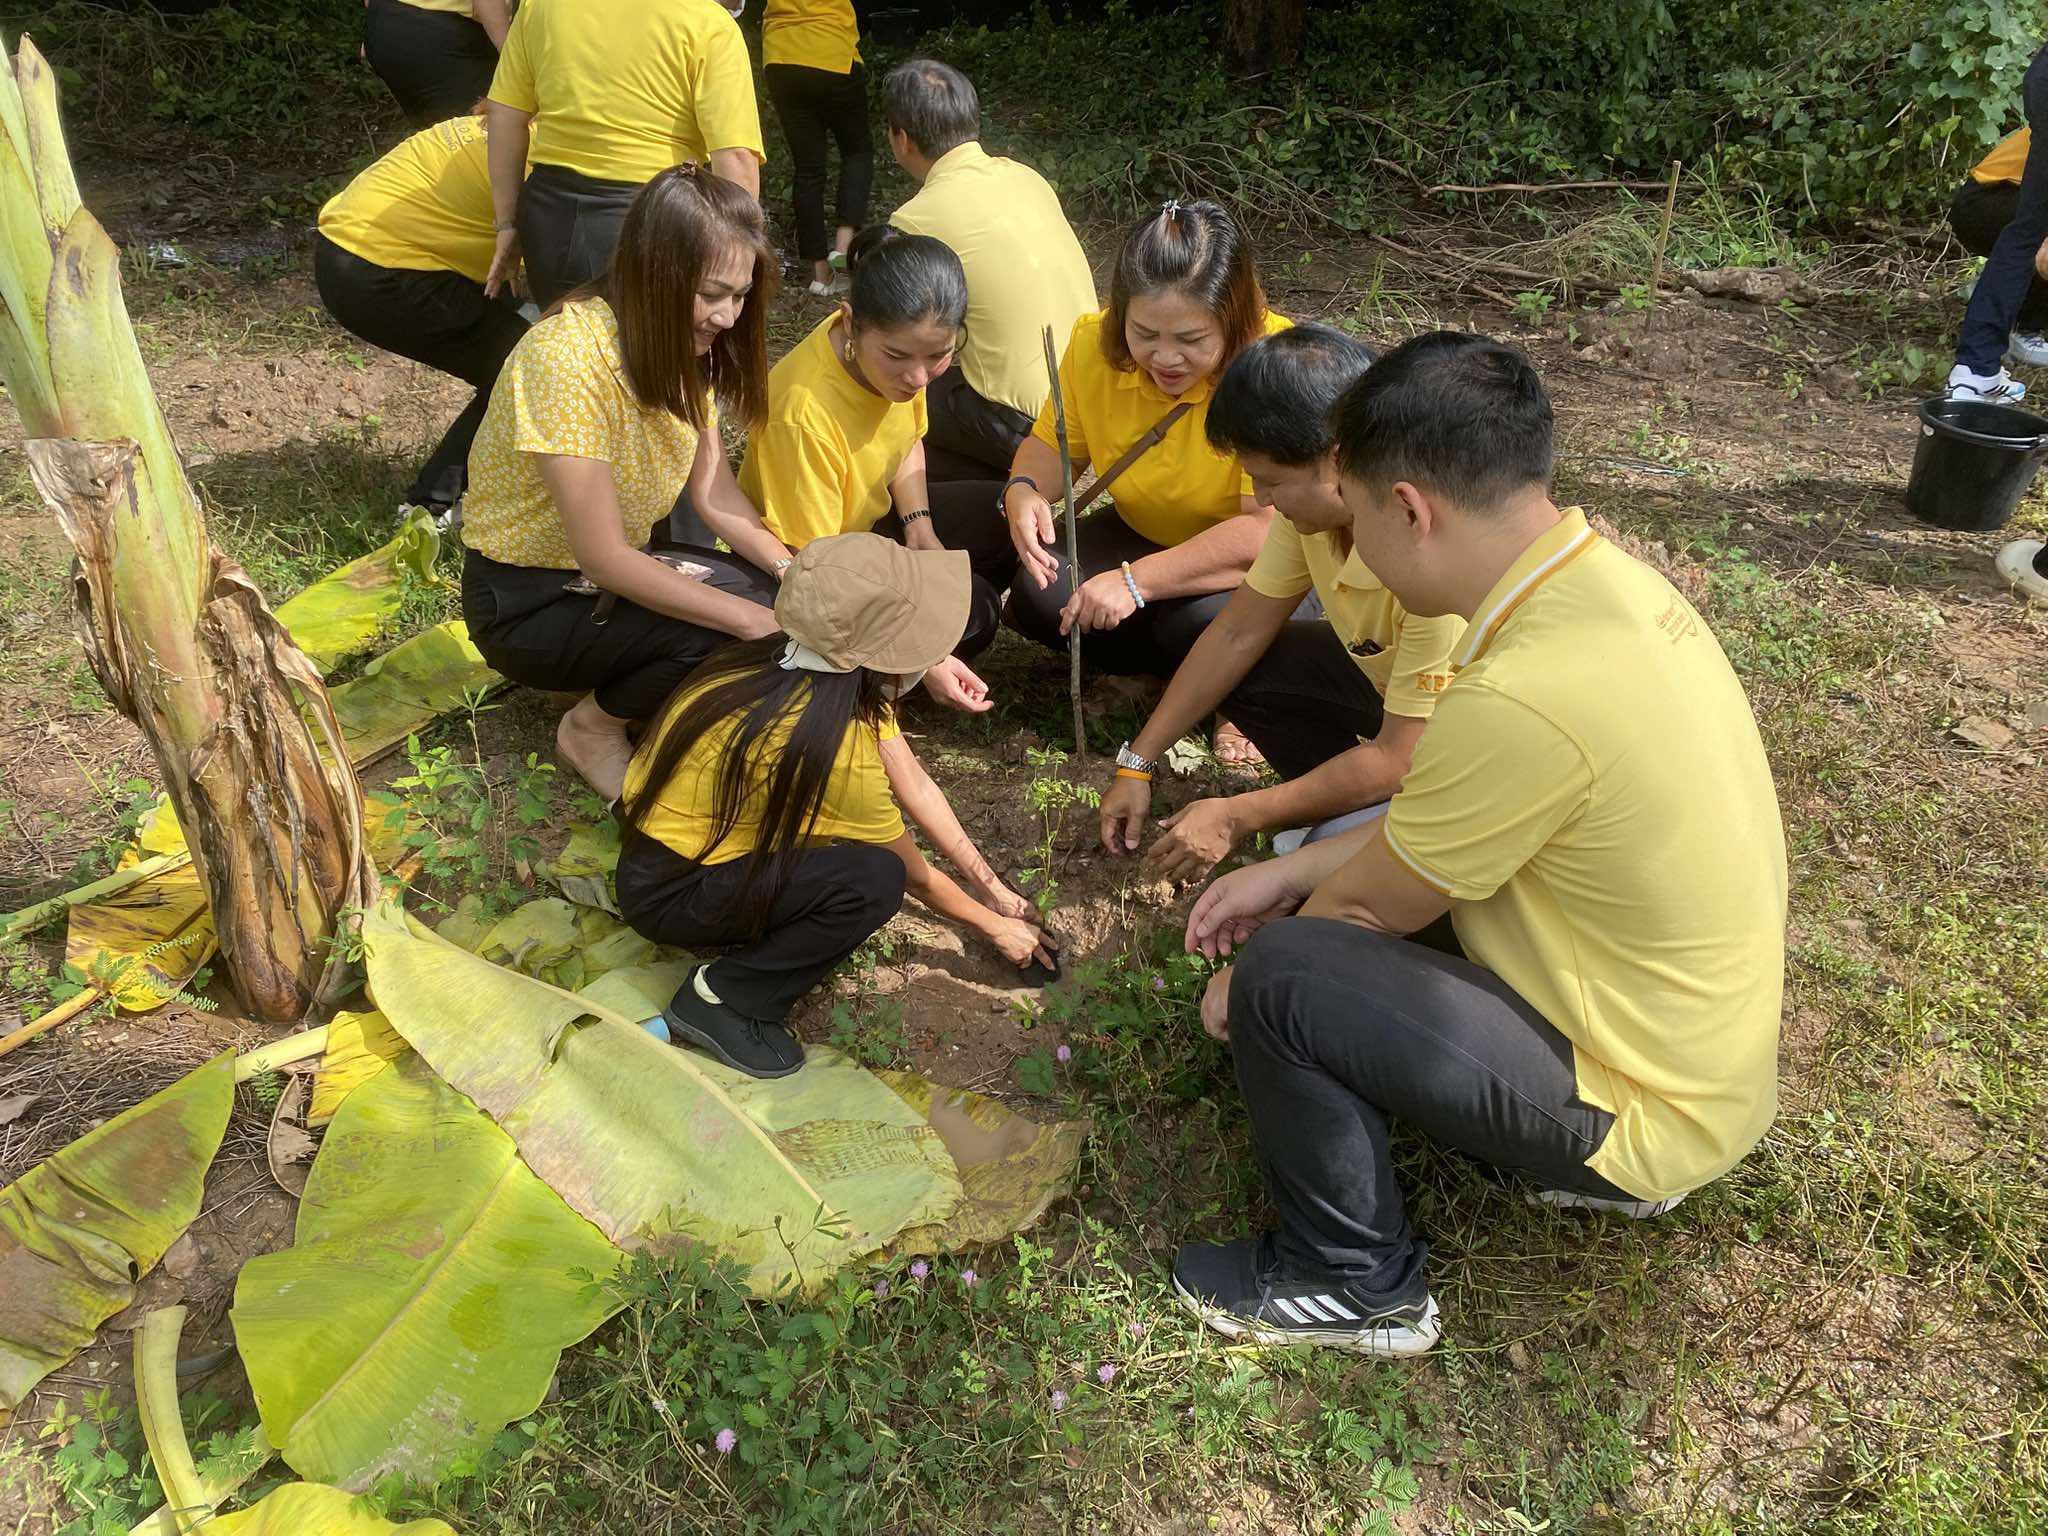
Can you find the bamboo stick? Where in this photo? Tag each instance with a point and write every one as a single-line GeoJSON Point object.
{"type": "Point", "coordinates": [1059, 419]}
{"type": "Point", "coordinates": [1664, 230]}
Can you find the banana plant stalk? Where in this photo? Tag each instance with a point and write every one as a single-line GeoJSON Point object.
{"type": "Point", "coordinates": [1059, 422]}
{"type": "Point", "coordinates": [178, 636]}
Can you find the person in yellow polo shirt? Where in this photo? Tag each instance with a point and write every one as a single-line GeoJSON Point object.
{"type": "Point", "coordinates": [1025, 268]}
{"type": "Point", "coordinates": [436, 56]}
{"type": "Point", "coordinates": [1336, 703]}
{"type": "Point", "coordinates": [600, 95]}
{"type": "Point", "coordinates": [810, 62]}
{"type": "Point", "coordinates": [1185, 527]}
{"type": "Point", "coordinates": [1592, 810]}
{"type": "Point", "coordinates": [607, 409]}
{"type": "Point", "coordinates": [762, 811]}
{"type": "Point", "coordinates": [399, 259]}
{"type": "Point", "coordinates": [1983, 206]}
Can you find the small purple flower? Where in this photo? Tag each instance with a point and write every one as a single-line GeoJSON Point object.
{"type": "Point", "coordinates": [881, 1289]}
{"type": "Point", "coordinates": [1158, 983]}
{"type": "Point", "coordinates": [919, 1270]}
{"type": "Point", "coordinates": [1059, 1399]}
{"type": "Point", "coordinates": [967, 1278]}
{"type": "Point", "coordinates": [725, 1440]}
{"type": "Point", "coordinates": [1137, 1330]}
{"type": "Point", "coordinates": [1063, 1055]}
{"type": "Point", "coordinates": [1105, 1373]}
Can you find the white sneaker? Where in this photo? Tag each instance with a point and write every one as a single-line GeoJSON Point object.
{"type": "Point", "coordinates": [1635, 1210]}
{"type": "Point", "coordinates": [2028, 348]}
{"type": "Point", "coordinates": [2016, 564]}
{"type": "Point", "coordinates": [2001, 388]}
{"type": "Point", "coordinates": [831, 290]}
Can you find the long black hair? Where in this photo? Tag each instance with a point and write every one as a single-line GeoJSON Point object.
{"type": "Point", "coordinates": [895, 279]}
{"type": "Point", "coordinates": [743, 686]}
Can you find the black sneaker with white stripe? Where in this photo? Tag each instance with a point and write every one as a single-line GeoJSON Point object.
{"type": "Point", "coordinates": [1238, 1289]}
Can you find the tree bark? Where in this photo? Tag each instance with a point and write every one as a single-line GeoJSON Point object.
{"type": "Point", "coordinates": [1263, 35]}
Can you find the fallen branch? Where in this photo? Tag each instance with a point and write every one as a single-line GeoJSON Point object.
{"type": "Point", "coordinates": [1437, 260]}
{"type": "Point", "coordinates": [1547, 187]}
{"type": "Point", "coordinates": [69, 1009]}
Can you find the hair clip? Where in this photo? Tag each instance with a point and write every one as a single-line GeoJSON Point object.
{"type": "Point", "coordinates": [1170, 209]}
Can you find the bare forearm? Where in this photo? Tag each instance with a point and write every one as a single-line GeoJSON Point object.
{"type": "Point", "coordinates": [509, 129]}
{"type": "Point", "coordinates": [1350, 781]}
{"type": "Point", "coordinates": [1042, 463]}
{"type": "Point", "coordinates": [1214, 560]}
{"type": "Point", "coordinates": [730, 516]}
{"type": "Point", "coordinates": [740, 167]}
{"type": "Point", "coordinates": [640, 578]}
{"type": "Point", "coordinates": [937, 889]}
{"type": "Point", "coordinates": [926, 805]}
{"type": "Point", "coordinates": [495, 17]}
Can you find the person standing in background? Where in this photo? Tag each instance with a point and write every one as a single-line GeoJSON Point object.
{"type": "Point", "coordinates": [1025, 268]}
{"type": "Point", "coordinates": [810, 60]}
{"type": "Point", "coordinates": [436, 56]}
{"type": "Point", "coordinates": [602, 96]}
{"type": "Point", "coordinates": [1998, 303]}
{"type": "Point", "coordinates": [1986, 202]}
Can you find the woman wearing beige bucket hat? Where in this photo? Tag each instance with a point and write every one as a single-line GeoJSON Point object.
{"type": "Point", "coordinates": [762, 811]}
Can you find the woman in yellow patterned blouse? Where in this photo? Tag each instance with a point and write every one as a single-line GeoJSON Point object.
{"type": "Point", "coordinates": [605, 412]}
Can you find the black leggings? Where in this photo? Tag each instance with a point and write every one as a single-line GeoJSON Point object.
{"type": "Point", "coordinates": [964, 516]}
{"type": "Point", "coordinates": [436, 63]}
{"type": "Point", "coordinates": [533, 632]}
{"type": "Point", "coordinates": [835, 901]}
{"type": "Point", "coordinates": [1305, 701]}
{"type": "Point", "coordinates": [816, 105]}
{"type": "Point", "coordinates": [568, 228]}
{"type": "Point", "coordinates": [969, 436]}
{"type": "Point", "coordinates": [441, 319]}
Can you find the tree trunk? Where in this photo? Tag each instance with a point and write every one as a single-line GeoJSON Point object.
{"type": "Point", "coordinates": [176, 634]}
{"type": "Point", "coordinates": [1263, 35]}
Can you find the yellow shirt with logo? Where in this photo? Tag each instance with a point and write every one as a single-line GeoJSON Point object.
{"type": "Point", "coordinates": [1407, 656]}
{"type": "Point", "coordinates": [1593, 797]}
{"type": "Point", "coordinates": [2007, 160]}
{"type": "Point", "coordinates": [624, 89]}
{"type": "Point", "coordinates": [1025, 268]}
{"type": "Point", "coordinates": [822, 461]}
{"type": "Point", "coordinates": [563, 391]}
{"type": "Point", "coordinates": [858, 806]}
{"type": "Point", "coordinates": [425, 207]}
{"type": "Point", "coordinates": [817, 34]}
{"type": "Point", "coordinates": [1181, 486]}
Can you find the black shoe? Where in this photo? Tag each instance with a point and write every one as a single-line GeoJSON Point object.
{"type": "Point", "coordinates": [744, 1044]}
{"type": "Point", "coordinates": [1237, 1288]}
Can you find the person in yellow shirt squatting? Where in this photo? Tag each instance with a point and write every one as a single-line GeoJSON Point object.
{"type": "Point", "coordinates": [1592, 810]}
{"type": "Point", "coordinates": [842, 448]}
{"type": "Point", "coordinates": [400, 259]}
{"type": "Point", "coordinates": [1335, 703]}
{"type": "Point", "coordinates": [810, 62]}
{"type": "Point", "coordinates": [601, 96]}
{"type": "Point", "coordinates": [762, 809]}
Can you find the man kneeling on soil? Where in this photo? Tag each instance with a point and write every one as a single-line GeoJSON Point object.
{"type": "Point", "coordinates": [1591, 808]}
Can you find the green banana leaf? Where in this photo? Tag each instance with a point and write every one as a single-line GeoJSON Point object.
{"type": "Point", "coordinates": [346, 609]}
{"type": "Point", "coordinates": [652, 1143]}
{"type": "Point", "coordinates": [432, 1285]}
{"type": "Point", "coordinates": [79, 1231]}
{"type": "Point", "coordinates": [428, 675]}
{"type": "Point", "coordinates": [359, 1046]}
{"type": "Point", "coordinates": [587, 863]}
{"type": "Point", "coordinates": [308, 1509]}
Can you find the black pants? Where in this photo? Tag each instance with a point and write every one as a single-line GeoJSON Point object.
{"type": "Point", "coordinates": [436, 63]}
{"type": "Point", "coordinates": [815, 106]}
{"type": "Point", "coordinates": [1336, 1031]}
{"type": "Point", "coordinates": [533, 632]}
{"type": "Point", "coordinates": [2008, 274]}
{"type": "Point", "coordinates": [969, 437]}
{"type": "Point", "coordinates": [964, 516]}
{"type": "Point", "coordinates": [1305, 701]}
{"type": "Point", "coordinates": [1979, 215]}
{"type": "Point", "coordinates": [568, 228]}
{"type": "Point", "coordinates": [441, 319]}
{"type": "Point", "coordinates": [836, 900]}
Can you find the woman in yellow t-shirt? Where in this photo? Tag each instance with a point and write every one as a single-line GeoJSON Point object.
{"type": "Point", "coordinates": [399, 260]}
{"type": "Point", "coordinates": [762, 809]}
{"type": "Point", "coordinates": [1159, 565]}
{"type": "Point", "coordinates": [437, 56]}
{"type": "Point", "coordinates": [810, 62]}
{"type": "Point", "coordinates": [606, 411]}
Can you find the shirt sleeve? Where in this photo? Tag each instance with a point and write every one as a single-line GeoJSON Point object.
{"type": "Point", "coordinates": [1281, 569]}
{"type": "Point", "coordinates": [559, 391]}
{"type": "Point", "coordinates": [512, 84]}
{"type": "Point", "coordinates": [801, 478]}
{"type": "Point", "coordinates": [727, 115]}
{"type": "Point", "coordinates": [1422, 663]}
{"type": "Point", "coordinates": [1071, 366]}
{"type": "Point", "coordinates": [1492, 782]}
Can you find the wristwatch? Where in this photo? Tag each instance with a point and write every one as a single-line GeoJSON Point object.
{"type": "Point", "coordinates": [1126, 758]}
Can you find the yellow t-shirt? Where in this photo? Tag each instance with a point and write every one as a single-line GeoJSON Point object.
{"type": "Point", "coordinates": [425, 207]}
{"type": "Point", "coordinates": [564, 391]}
{"type": "Point", "coordinates": [1407, 656]}
{"type": "Point", "coordinates": [1593, 796]}
{"type": "Point", "coordinates": [1182, 485]}
{"type": "Point", "coordinates": [1025, 269]}
{"type": "Point", "coordinates": [2007, 160]}
{"type": "Point", "coordinates": [459, 7]}
{"type": "Point", "coordinates": [822, 461]}
{"type": "Point", "coordinates": [624, 89]}
{"type": "Point", "coordinates": [818, 34]}
{"type": "Point", "coordinates": [858, 806]}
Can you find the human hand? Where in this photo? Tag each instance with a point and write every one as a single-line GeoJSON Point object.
{"type": "Point", "coordinates": [1216, 1006]}
{"type": "Point", "coordinates": [1031, 531]}
{"type": "Point", "coordinates": [1239, 904]}
{"type": "Point", "coordinates": [953, 683]}
{"type": "Point", "coordinates": [918, 533]}
{"type": "Point", "coordinates": [1004, 902]}
{"type": "Point", "coordinates": [1101, 602]}
{"type": "Point", "coordinates": [1021, 941]}
{"type": "Point", "coordinates": [504, 262]}
{"type": "Point", "coordinates": [1125, 805]}
{"type": "Point", "coordinates": [1197, 838]}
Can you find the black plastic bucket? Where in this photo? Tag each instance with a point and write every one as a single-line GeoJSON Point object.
{"type": "Point", "coordinates": [1975, 461]}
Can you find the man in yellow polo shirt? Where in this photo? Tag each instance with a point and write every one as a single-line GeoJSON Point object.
{"type": "Point", "coordinates": [1592, 810]}
{"type": "Point", "coordinates": [1025, 268]}
{"type": "Point", "coordinates": [1335, 701]}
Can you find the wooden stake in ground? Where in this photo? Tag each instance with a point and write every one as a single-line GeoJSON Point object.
{"type": "Point", "coordinates": [1059, 422]}
{"type": "Point", "coordinates": [1664, 231]}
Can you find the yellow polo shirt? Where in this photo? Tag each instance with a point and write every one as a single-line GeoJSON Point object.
{"type": "Point", "coordinates": [1407, 656]}
{"type": "Point", "coordinates": [817, 34]}
{"type": "Point", "coordinates": [1025, 268]}
{"type": "Point", "coordinates": [564, 391]}
{"type": "Point", "coordinates": [2007, 160]}
{"type": "Point", "coordinates": [1593, 797]}
{"type": "Point", "coordinates": [822, 461]}
{"type": "Point", "coordinates": [624, 89]}
{"type": "Point", "coordinates": [858, 806]}
{"type": "Point", "coordinates": [1179, 488]}
{"type": "Point", "coordinates": [425, 207]}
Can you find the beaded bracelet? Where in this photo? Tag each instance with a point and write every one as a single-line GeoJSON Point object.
{"type": "Point", "coordinates": [1131, 581]}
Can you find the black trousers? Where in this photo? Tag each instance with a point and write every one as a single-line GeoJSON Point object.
{"type": "Point", "coordinates": [836, 900]}
{"type": "Point", "coordinates": [1337, 1031]}
{"type": "Point", "coordinates": [533, 632]}
{"type": "Point", "coordinates": [2008, 274]}
{"type": "Point", "coordinates": [1305, 701]}
{"type": "Point", "coordinates": [815, 106]}
{"type": "Point", "coordinates": [435, 62]}
{"type": "Point", "coordinates": [964, 516]}
{"type": "Point", "coordinates": [1979, 215]}
{"type": "Point", "coordinates": [441, 319]}
{"type": "Point", "coordinates": [568, 228]}
{"type": "Point", "coordinates": [969, 437]}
